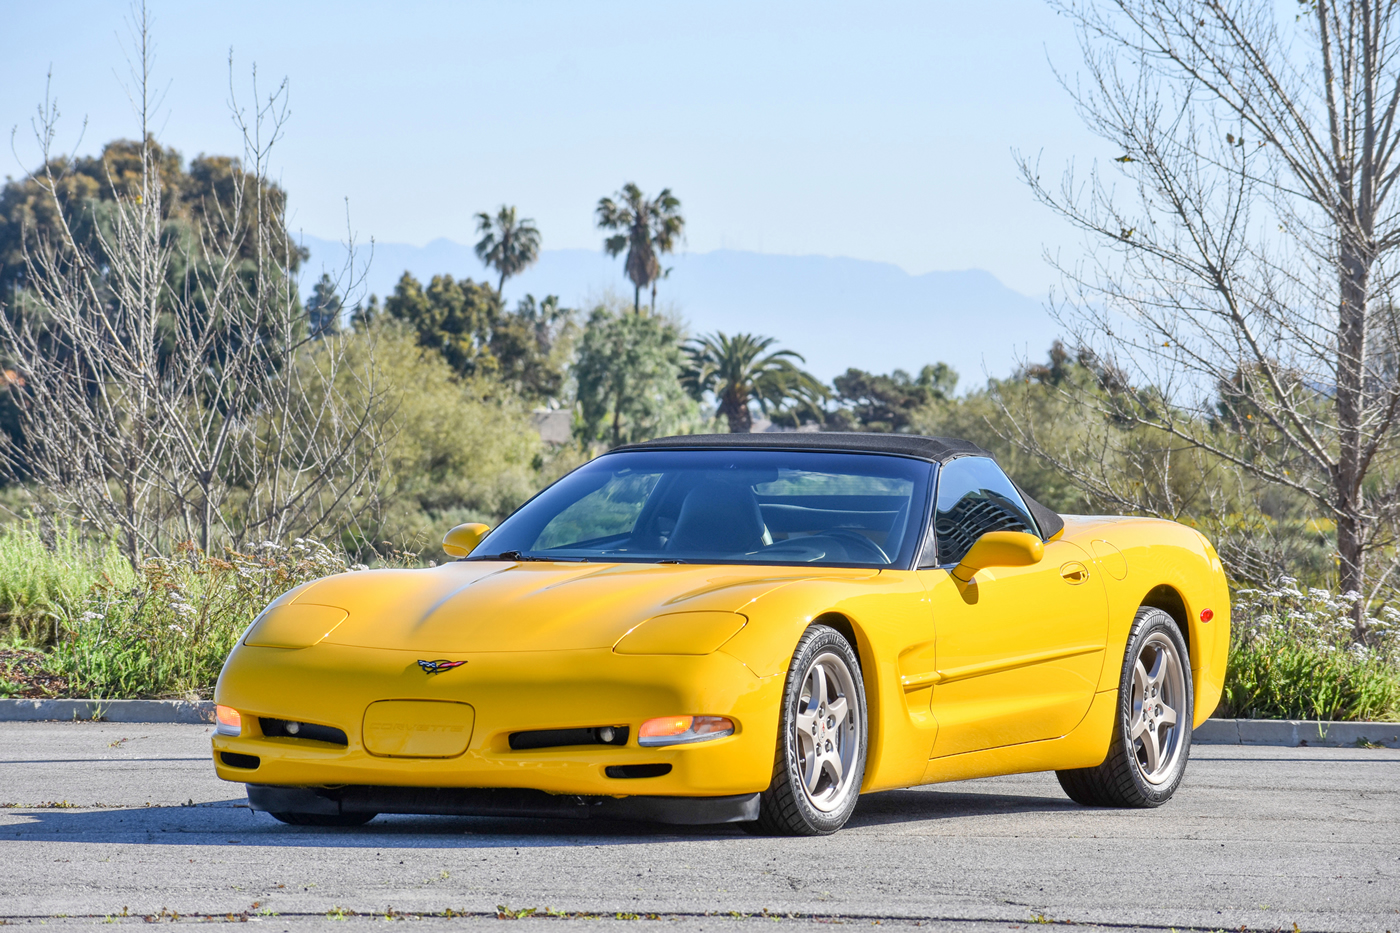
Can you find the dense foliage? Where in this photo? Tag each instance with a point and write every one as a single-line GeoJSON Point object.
{"type": "Point", "coordinates": [88, 188]}
{"type": "Point", "coordinates": [1293, 657]}
{"type": "Point", "coordinates": [628, 377]}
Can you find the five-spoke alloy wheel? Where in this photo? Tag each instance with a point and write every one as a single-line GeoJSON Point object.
{"type": "Point", "coordinates": [820, 759]}
{"type": "Point", "coordinates": [1154, 725]}
{"type": "Point", "coordinates": [1152, 730]}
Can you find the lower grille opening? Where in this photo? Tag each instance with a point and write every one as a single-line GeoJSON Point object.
{"type": "Point", "coordinates": [292, 729]}
{"type": "Point", "coordinates": [560, 738]}
{"type": "Point", "coordinates": [235, 760]}
{"type": "Point", "coordinates": [636, 771]}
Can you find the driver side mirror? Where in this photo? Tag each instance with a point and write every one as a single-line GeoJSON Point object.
{"type": "Point", "coordinates": [1000, 549]}
{"type": "Point", "coordinates": [462, 540]}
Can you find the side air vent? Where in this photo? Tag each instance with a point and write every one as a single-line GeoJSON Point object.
{"type": "Point", "coordinates": [235, 760]}
{"type": "Point", "coordinates": [636, 771]}
{"type": "Point", "coordinates": [562, 738]}
{"type": "Point", "coordinates": [290, 728]}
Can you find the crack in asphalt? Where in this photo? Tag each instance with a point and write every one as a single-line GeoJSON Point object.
{"type": "Point", "coordinates": [338, 913]}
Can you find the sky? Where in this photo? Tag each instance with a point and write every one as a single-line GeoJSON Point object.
{"type": "Point", "coordinates": [878, 130]}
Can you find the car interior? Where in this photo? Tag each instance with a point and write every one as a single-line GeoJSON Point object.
{"type": "Point", "coordinates": [695, 514]}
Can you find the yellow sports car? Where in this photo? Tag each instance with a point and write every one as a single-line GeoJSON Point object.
{"type": "Point", "coordinates": [737, 628]}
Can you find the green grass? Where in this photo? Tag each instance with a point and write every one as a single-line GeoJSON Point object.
{"type": "Point", "coordinates": [1292, 656]}
{"type": "Point", "coordinates": [43, 577]}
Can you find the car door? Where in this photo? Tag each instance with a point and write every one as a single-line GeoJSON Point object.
{"type": "Point", "coordinates": [1019, 649]}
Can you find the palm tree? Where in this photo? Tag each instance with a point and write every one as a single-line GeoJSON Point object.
{"type": "Point", "coordinates": [739, 371]}
{"type": "Point", "coordinates": [645, 230]}
{"type": "Point", "coordinates": [507, 245]}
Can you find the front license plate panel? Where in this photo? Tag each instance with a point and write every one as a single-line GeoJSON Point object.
{"type": "Point", "coordinates": [418, 728]}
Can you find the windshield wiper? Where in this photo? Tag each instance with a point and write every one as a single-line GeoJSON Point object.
{"type": "Point", "coordinates": [521, 557]}
{"type": "Point", "coordinates": [509, 555]}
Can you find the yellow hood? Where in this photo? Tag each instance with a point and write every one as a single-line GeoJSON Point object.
{"type": "Point", "coordinates": [473, 606]}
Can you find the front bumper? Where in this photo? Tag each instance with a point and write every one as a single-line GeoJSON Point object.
{"type": "Point", "coordinates": [464, 801]}
{"type": "Point", "coordinates": [509, 692]}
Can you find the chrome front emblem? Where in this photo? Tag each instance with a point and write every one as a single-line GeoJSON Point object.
{"type": "Point", "coordinates": [437, 667]}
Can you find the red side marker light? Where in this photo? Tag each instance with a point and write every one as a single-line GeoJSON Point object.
{"type": "Point", "coordinates": [1207, 615]}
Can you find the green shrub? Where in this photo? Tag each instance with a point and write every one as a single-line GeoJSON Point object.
{"type": "Point", "coordinates": [167, 632]}
{"type": "Point", "coordinates": [453, 452]}
{"type": "Point", "coordinates": [1292, 656]}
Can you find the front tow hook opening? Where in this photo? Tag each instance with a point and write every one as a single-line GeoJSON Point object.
{"type": "Point", "coordinates": [637, 771]}
{"type": "Point", "coordinates": [237, 760]}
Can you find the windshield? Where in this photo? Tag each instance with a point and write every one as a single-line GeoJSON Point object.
{"type": "Point", "coordinates": [724, 506]}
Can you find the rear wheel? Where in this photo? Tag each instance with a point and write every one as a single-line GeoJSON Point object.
{"type": "Point", "coordinates": [1152, 729]}
{"type": "Point", "coordinates": [325, 819]}
{"type": "Point", "coordinates": [822, 738]}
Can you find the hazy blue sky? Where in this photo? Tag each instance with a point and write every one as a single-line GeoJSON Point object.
{"type": "Point", "coordinates": [872, 130]}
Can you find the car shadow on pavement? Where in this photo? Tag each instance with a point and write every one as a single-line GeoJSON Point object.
{"type": "Point", "coordinates": [916, 805]}
{"type": "Point", "coordinates": [231, 822]}
{"type": "Point", "coordinates": [913, 806]}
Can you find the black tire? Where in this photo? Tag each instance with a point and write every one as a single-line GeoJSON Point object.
{"type": "Point", "coordinates": [1134, 775]}
{"type": "Point", "coordinates": [788, 807]}
{"type": "Point", "coordinates": [324, 819]}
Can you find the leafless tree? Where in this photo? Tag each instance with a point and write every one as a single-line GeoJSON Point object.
{"type": "Point", "coordinates": [168, 384]}
{"type": "Point", "coordinates": [1242, 262]}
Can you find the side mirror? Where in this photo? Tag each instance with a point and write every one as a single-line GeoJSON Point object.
{"type": "Point", "coordinates": [462, 540]}
{"type": "Point", "coordinates": [1000, 549]}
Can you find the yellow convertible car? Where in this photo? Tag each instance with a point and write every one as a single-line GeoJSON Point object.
{"type": "Point", "coordinates": [737, 628]}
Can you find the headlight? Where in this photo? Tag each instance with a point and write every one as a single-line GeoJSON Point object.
{"type": "Point", "coordinates": [227, 721]}
{"type": "Point", "coordinates": [296, 625]}
{"type": "Point", "coordinates": [682, 730]}
{"type": "Point", "coordinates": [694, 633]}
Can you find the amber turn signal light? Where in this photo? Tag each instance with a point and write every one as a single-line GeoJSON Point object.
{"type": "Point", "coordinates": [681, 730]}
{"type": "Point", "coordinates": [663, 728]}
{"type": "Point", "coordinates": [227, 721]}
{"type": "Point", "coordinates": [1207, 615]}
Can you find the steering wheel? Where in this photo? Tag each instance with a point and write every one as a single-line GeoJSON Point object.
{"type": "Point", "coordinates": [848, 537]}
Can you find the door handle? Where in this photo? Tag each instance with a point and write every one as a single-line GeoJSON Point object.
{"type": "Point", "coordinates": [1074, 572]}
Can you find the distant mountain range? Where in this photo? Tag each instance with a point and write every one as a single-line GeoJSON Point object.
{"type": "Point", "coordinates": [836, 312]}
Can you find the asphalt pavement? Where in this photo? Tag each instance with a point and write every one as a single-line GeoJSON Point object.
{"type": "Point", "coordinates": [127, 822]}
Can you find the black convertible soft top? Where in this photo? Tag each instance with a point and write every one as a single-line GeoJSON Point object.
{"type": "Point", "coordinates": [935, 449]}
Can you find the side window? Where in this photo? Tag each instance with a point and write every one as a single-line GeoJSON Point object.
{"type": "Point", "coordinates": [975, 497]}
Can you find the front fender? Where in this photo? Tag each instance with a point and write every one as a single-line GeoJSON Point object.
{"type": "Point", "coordinates": [885, 611]}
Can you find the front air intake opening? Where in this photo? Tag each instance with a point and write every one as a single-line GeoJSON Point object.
{"type": "Point", "coordinates": [235, 760]}
{"type": "Point", "coordinates": [563, 738]}
{"type": "Point", "coordinates": [637, 771]}
{"type": "Point", "coordinates": [292, 729]}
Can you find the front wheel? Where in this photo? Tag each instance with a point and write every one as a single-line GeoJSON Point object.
{"type": "Point", "coordinates": [822, 738]}
{"type": "Point", "coordinates": [1152, 729]}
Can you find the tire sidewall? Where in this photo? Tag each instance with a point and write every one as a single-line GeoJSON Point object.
{"type": "Point", "coordinates": [819, 640]}
{"type": "Point", "coordinates": [1149, 621]}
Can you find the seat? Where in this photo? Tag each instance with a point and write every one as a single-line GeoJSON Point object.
{"type": "Point", "coordinates": [718, 518]}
